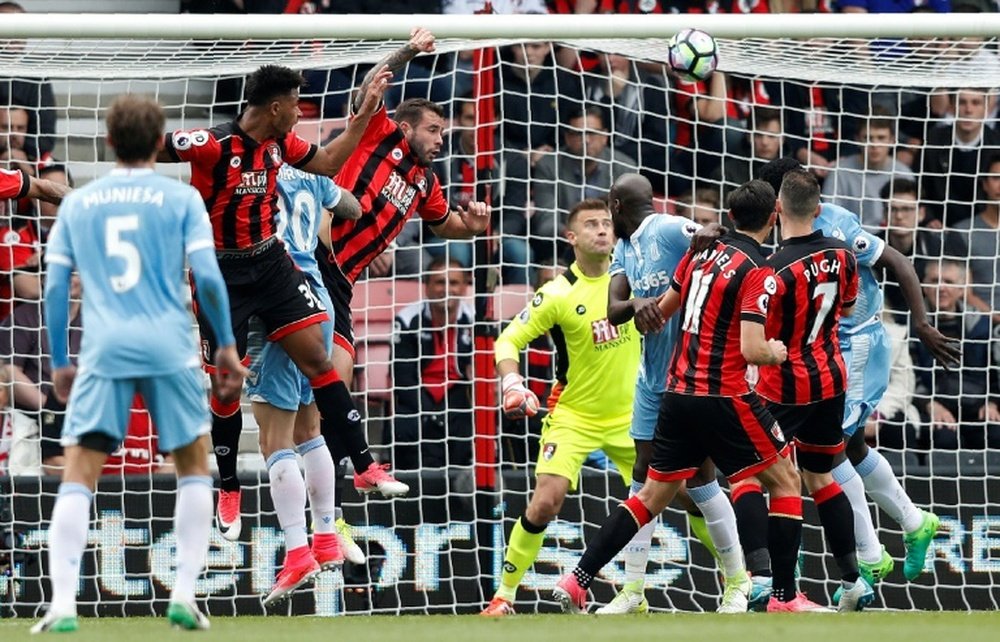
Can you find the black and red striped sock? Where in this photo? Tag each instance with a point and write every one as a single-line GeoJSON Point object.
{"type": "Point", "coordinates": [784, 536]}
{"type": "Point", "coordinates": [618, 530]}
{"type": "Point", "coordinates": [837, 518]}
{"type": "Point", "coordinates": [341, 419]}
{"type": "Point", "coordinates": [751, 523]}
{"type": "Point", "coordinates": [227, 424]}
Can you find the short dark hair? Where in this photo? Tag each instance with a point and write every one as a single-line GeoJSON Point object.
{"type": "Point", "coordinates": [900, 185]}
{"type": "Point", "coordinates": [270, 82]}
{"type": "Point", "coordinates": [586, 204]}
{"type": "Point", "coordinates": [583, 111]}
{"type": "Point", "coordinates": [135, 125]}
{"type": "Point", "coordinates": [11, 7]}
{"type": "Point", "coordinates": [412, 110]}
{"type": "Point", "coordinates": [990, 161]}
{"type": "Point", "coordinates": [440, 264]}
{"type": "Point", "coordinates": [751, 205]}
{"type": "Point", "coordinates": [774, 171]}
{"type": "Point", "coordinates": [799, 194]}
{"type": "Point", "coordinates": [763, 114]}
{"type": "Point", "coordinates": [881, 118]}
{"type": "Point", "coordinates": [56, 167]}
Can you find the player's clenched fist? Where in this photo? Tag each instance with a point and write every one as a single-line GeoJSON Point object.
{"type": "Point", "coordinates": [778, 349]}
{"type": "Point", "coordinates": [518, 401]}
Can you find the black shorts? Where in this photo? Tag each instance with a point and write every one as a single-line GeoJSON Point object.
{"type": "Point", "coordinates": [737, 433]}
{"type": "Point", "coordinates": [341, 292]}
{"type": "Point", "coordinates": [816, 429]}
{"type": "Point", "coordinates": [267, 285]}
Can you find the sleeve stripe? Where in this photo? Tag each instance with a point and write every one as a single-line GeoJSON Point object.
{"type": "Point", "coordinates": [200, 245]}
{"type": "Point", "coordinates": [616, 271]}
{"type": "Point", "coordinates": [25, 185]}
{"type": "Point", "coordinates": [305, 159]}
{"type": "Point", "coordinates": [59, 259]}
{"type": "Point", "coordinates": [753, 316]}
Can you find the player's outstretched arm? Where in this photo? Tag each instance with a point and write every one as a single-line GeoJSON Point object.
{"type": "Point", "coordinates": [46, 190]}
{"type": "Point", "coordinates": [421, 41]}
{"type": "Point", "coordinates": [947, 351]}
{"type": "Point", "coordinates": [757, 349]}
{"type": "Point", "coordinates": [465, 223]}
{"type": "Point", "coordinates": [329, 159]}
{"type": "Point", "coordinates": [57, 320]}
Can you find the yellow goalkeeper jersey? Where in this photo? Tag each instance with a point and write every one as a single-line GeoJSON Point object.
{"type": "Point", "coordinates": [596, 362]}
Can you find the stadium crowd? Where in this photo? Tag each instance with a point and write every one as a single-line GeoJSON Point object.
{"type": "Point", "coordinates": [922, 170]}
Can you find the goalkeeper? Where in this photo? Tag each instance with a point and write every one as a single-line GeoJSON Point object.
{"type": "Point", "coordinates": [590, 406]}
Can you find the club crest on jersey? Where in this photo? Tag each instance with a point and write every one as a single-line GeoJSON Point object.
{"type": "Point", "coordinates": [252, 183]}
{"type": "Point", "coordinates": [604, 331]}
{"type": "Point", "coordinates": [549, 451]}
{"type": "Point", "coordinates": [275, 154]}
{"type": "Point", "coordinates": [399, 192]}
{"type": "Point", "coordinates": [776, 432]}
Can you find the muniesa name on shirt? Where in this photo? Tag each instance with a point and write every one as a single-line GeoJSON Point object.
{"type": "Point", "coordinates": [123, 195]}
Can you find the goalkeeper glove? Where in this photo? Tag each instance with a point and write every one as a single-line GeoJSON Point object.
{"type": "Point", "coordinates": [518, 401]}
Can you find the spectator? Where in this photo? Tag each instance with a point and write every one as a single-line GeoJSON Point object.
{"type": "Point", "coordinates": [700, 132]}
{"type": "Point", "coordinates": [13, 128]}
{"type": "Point", "coordinates": [536, 97]}
{"type": "Point", "coordinates": [890, 6]}
{"type": "Point", "coordinates": [37, 98]}
{"type": "Point", "coordinates": [984, 251]}
{"type": "Point", "coordinates": [960, 404]}
{"type": "Point", "coordinates": [6, 422]}
{"type": "Point", "coordinates": [764, 142]}
{"type": "Point", "coordinates": [509, 191]}
{"type": "Point", "coordinates": [905, 220]}
{"type": "Point", "coordinates": [24, 346]}
{"type": "Point", "coordinates": [637, 109]}
{"type": "Point", "coordinates": [431, 374]}
{"type": "Point", "coordinates": [701, 205]}
{"type": "Point", "coordinates": [818, 119]}
{"type": "Point", "coordinates": [954, 155]}
{"type": "Point", "coordinates": [20, 259]}
{"type": "Point", "coordinates": [583, 169]}
{"type": "Point", "coordinates": [856, 181]}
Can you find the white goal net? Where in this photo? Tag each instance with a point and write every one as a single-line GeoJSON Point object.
{"type": "Point", "coordinates": [900, 126]}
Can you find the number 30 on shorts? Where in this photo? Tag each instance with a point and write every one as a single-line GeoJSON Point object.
{"type": "Point", "coordinates": [311, 297]}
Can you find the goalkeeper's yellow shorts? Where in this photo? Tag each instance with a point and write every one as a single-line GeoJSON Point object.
{"type": "Point", "coordinates": [564, 448]}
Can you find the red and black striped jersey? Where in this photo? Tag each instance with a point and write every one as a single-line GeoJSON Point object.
{"type": "Point", "coordinates": [237, 178]}
{"type": "Point", "coordinates": [14, 183]}
{"type": "Point", "coordinates": [390, 185]}
{"type": "Point", "coordinates": [817, 277]}
{"type": "Point", "coordinates": [720, 288]}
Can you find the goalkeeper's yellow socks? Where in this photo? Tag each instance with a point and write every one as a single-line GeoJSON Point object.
{"type": "Point", "coordinates": [522, 549]}
{"type": "Point", "coordinates": [700, 530]}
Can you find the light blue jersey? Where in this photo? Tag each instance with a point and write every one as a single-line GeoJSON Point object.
{"type": "Point", "coordinates": [300, 198]}
{"type": "Point", "coordinates": [863, 342]}
{"type": "Point", "coordinates": [128, 235]}
{"type": "Point", "coordinates": [648, 260]}
{"type": "Point", "coordinates": [274, 378]}
{"type": "Point", "coordinates": [837, 222]}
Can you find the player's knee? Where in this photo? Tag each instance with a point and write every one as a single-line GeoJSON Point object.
{"type": "Point", "coordinates": [782, 479]}
{"type": "Point", "coordinates": [816, 480]}
{"type": "Point", "coordinates": [543, 509]}
{"type": "Point", "coordinates": [856, 449]}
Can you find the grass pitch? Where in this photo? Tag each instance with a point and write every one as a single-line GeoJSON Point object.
{"type": "Point", "coordinates": [756, 627]}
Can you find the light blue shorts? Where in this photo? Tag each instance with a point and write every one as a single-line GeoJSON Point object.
{"type": "Point", "coordinates": [645, 410]}
{"type": "Point", "coordinates": [177, 402]}
{"type": "Point", "coordinates": [868, 356]}
{"type": "Point", "coordinates": [276, 380]}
